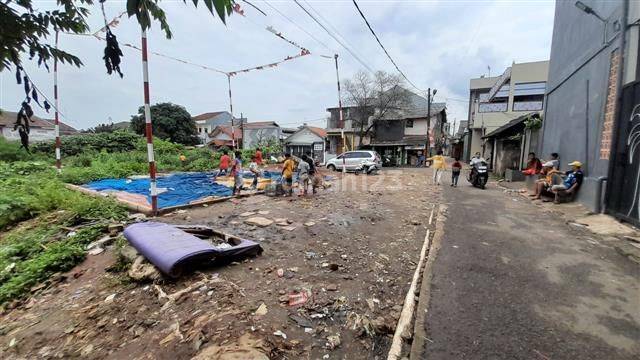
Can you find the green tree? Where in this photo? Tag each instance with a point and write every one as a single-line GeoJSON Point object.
{"type": "Point", "coordinates": [25, 29]}
{"type": "Point", "coordinates": [170, 122]}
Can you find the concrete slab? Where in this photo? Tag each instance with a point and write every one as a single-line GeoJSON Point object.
{"type": "Point", "coordinates": [605, 225]}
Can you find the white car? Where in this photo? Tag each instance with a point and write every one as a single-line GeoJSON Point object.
{"type": "Point", "coordinates": [352, 159]}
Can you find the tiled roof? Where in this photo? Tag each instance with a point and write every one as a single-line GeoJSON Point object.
{"type": "Point", "coordinates": [260, 124]}
{"type": "Point", "coordinates": [318, 131]}
{"type": "Point", "coordinates": [227, 130]}
{"type": "Point", "coordinates": [8, 118]}
{"type": "Point", "coordinates": [208, 115]}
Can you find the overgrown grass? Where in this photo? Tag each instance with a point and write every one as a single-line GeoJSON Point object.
{"type": "Point", "coordinates": [32, 253]}
{"type": "Point", "coordinates": [32, 189]}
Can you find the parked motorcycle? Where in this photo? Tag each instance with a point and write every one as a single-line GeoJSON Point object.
{"type": "Point", "coordinates": [479, 175]}
{"type": "Point", "coordinates": [368, 167]}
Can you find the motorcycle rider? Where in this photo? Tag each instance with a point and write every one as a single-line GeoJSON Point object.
{"type": "Point", "coordinates": [475, 160]}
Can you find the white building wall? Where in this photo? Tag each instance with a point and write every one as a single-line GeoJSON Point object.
{"type": "Point", "coordinates": [35, 134]}
{"type": "Point", "coordinates": [419, 127]}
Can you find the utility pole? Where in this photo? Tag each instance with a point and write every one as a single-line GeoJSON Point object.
{"type": "Point", "coordinates": [427, 144]}
{"type": "Point", "coordinates": [341, 123]}
{"type": "Point", "coordinates": [233, 130]}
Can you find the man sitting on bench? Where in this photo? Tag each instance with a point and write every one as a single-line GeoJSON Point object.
{"type": "Point", "coordinates": [571, 183]}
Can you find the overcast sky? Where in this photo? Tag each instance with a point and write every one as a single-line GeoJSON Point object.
{"type": "Point", "coordinates": [438, 44]}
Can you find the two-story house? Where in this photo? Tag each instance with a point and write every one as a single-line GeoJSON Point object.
{"type": "Point", "coordinates": [495, 101]}
{"type": "Point", "coordinates": [207, 122]}
{"type": "Point", "coordinates": [403, 138]}
{"type": "Point", "coordinates": [400, 136]}
{"type": "Point", "coordinates": [341, 139]}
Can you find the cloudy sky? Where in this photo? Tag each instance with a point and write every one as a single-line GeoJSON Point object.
{"type": "Point", "coordinates": [437, 44]}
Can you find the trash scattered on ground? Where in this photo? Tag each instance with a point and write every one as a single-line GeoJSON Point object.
{"type": "Point", "coordinates": [301, 321]}
{"type": "Point", "coordinates": [101, 243]}
{"type": "Point", "coordinates": [333, 341]}
{"type": "Point", "coordinates": [246, 347]}
{"type": "Point", "coordinates": [261, 310]}
{"type": "Point", "coordinates": [95, 251]}
{"type": "Point", "coordinates": [299, 298]}
{"type": "Point", "coordinates": [109, 299]}
{"type": "Point", "coordinates": [280, 333]}
{"type": "Point", "coordinates": [141, 270]}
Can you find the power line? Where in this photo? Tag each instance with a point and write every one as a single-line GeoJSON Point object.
{"type": "Point", "coordinates": [332, 27]}
{"type": "Point", "coordinates": [382, 46]}
{"type": "Point", "coordinates": [255, 7]}
{"type": "Point", "coordinates": [298, 26]}
{"type": "Point", "coordinates": [334, 37]}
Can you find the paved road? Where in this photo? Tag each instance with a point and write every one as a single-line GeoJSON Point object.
{"type": "Point", "coordinates": [512, 282]}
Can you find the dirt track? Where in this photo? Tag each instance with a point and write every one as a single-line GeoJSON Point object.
{"type": "Point", "coordinates": [355, 255]}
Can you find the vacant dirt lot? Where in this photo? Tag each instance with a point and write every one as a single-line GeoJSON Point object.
{"type": "Point", "coordinates": [347, 256]}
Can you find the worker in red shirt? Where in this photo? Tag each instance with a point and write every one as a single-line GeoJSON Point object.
{"type": "Point", "coordinates": [224, 163]}
{"type": "Point", "coordinates": [258, 156]}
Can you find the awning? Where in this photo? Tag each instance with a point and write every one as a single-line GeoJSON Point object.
{"type": "Point", "coordinates": [515, 125]}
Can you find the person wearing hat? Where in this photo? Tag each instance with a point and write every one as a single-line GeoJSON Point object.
{"type": "Point", "coordinates": [542, 185]}
{"type": "Point", "coordinates": [572, 181]}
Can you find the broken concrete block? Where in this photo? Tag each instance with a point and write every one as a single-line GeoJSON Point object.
{"type": "Point", "coordinates": [258, 221]}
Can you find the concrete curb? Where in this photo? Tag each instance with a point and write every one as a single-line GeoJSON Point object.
{"type": "Point", "coordinates": [420, 338]}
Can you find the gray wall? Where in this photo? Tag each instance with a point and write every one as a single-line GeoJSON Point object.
{"type": "Point", "coordinates": [251, 137]}
{"type": "Point", "coordinates": [389, 130]}
{"type": "Point", "coordinates": [567, 130]}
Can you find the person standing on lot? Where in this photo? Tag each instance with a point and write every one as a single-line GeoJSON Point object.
{"type": "Point", "coordinates": [456, 168]}
{"type": "Point", "coordinates": [303, 175]}
{"type": "Point", "coordinates": [224, 163]}
{"type": "Point", "coordinates": [287, 174]}
{"type": "Point", "coordinates": [255, 172]}
{"type": "Point", "coordinates": [314, 175]}
{"type": "Point", "coordinates": [236, 172]}
{"type": "Point", "coordinates": [439, 165]}
{"type": "Point", "coordinates": [183, 160]}
{"type": "Point", "coordinates": [258, 157]}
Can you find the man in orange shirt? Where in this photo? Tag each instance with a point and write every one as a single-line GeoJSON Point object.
{"type": "Point", "coordinates": [224, 163]}
{"type": "Point", "coordinates": [258, 156]}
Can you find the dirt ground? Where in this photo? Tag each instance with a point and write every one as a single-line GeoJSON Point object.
{"type": "Point", "coordinates": [353, 251]}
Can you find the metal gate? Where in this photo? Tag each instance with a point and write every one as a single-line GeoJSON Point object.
{"type": "Point", "coordinates": [623, 189]}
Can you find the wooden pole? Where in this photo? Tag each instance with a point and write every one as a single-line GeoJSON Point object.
{"type": "Point", "coordinates": [406, 316]}
{"type": "Point", "coordinates": [233, 130]}
{"type": "Point", "coordinates": [344, 141]}
{"type": "Point", "coordinates": [148, 126]}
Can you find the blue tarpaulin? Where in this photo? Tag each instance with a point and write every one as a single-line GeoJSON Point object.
{"type": "Point", "coordinates": [181, 188]}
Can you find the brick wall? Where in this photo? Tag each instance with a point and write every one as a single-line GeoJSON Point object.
{"type": "Point", "coordinates": [610, 107]}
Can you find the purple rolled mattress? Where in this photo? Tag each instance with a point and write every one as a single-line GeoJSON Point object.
{"type": "Point", "coordinates": [167, 247]}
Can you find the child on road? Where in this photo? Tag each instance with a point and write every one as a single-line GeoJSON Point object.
{"type": "Point", "coordinates": [456, 167]}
